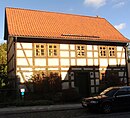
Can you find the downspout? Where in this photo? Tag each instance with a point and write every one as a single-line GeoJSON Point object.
{"type": "Point", "coordinates": [126, 61]}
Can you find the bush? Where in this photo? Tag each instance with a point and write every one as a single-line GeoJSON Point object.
{"type": "Point", "coordinates": [33, 96]}
{"type": "Point", "coordinates": [27, 103]}
{"type": "Point", "coordinates": [46, 84]}
{"type": "Point", "coordinates": [43, 86]}
{"type": "Point", "coordinates": [70, 95]}
{"type": "Point", "coordinates": [7, 95]}
{"type": "Point", "coordinates": [109, 82]}
{"type": "Point", "coordinates": [32, 103]}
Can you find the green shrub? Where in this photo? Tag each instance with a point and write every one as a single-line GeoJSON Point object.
{"type": "Point", "coordinates": [27, 103]}
{"type": "Point", "coordinates": [46, 84]}
{"type": "Point", "coordinates": [70, 95]}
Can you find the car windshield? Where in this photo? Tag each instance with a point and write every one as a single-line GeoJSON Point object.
{"type": "Point", "coordinates": [109, 92]}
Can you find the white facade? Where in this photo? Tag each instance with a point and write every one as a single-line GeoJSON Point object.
{"type": "Point", "coordinates": [27, 63]}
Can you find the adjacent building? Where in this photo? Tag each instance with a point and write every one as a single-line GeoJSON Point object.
{"type": "Point", "coordinates": [83, 50]}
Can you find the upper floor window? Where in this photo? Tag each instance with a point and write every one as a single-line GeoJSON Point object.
{"type": "Point", "coordinates": [40, 49]}
{"type": "Point", "coordinates": [109, 51]}
{"type": "Point", "coordinates": [102, 51]}
{"type": "Point", "coordinates": [52, 50]}
{"type": "Point", "coordinates": [112, 51]}
{"type": "Point", "coordinates": [80, 51]}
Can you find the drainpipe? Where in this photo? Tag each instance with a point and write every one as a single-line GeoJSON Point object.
{"type": "Point", "coordinates": [126, 61]}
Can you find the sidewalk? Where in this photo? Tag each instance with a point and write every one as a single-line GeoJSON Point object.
{"type": "Point", "coordinates": [13, 110]}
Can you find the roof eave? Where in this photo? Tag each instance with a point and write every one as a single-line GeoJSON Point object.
{"type": "Point", "coordinates": [47, 38]}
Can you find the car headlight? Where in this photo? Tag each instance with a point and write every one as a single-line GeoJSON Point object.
{"type": "Point", "coordinates": [93, 102]}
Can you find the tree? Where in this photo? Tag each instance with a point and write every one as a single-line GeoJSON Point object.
{"type": "Point", "coordinates": [3, 53]}
{"type": "Point", "coordinates": [3, 64]}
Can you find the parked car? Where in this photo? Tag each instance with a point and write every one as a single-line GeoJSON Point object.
{"type": "Point", "coordinates": [110, 99]}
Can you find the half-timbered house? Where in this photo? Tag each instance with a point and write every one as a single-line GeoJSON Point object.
{"type": "Point", "coordinates": [82, 49]}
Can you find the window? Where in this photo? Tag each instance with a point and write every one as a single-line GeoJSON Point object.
{"type": "Point", "coordinates": [122, 92]}
{"type": "Point", "coordinates": [80, 51]}
{"type": "Point", "coordinates": [40, 49]}
{"type": "Point", "coordinates": [105, 51]}
{"type": "Point", "coordinates": [52, 50]}
{"type": "Point", "coordinates": [102, 51]}
{"type": "Point", "coordinates": [111, 51]}
{"type": "Point", "coordinates": [109, 92]}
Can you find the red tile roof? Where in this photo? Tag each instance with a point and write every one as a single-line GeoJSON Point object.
{"type": "Point", "coordinates": [34, 23]}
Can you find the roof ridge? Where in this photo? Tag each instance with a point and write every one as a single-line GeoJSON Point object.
{"type": "Point", "coordinates": [56, 12]}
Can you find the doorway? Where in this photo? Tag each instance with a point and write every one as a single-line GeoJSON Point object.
{"type": "Point", "coordinates": [82, 82]}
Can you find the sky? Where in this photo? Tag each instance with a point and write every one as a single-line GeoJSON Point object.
{"type": "Point", "coordinates": [117, 12]}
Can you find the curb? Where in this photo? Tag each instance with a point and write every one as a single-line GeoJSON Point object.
{"type": "Point", "coordinates": [16, 110]}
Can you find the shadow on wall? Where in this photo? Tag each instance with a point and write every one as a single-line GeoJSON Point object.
{"type": "Point", "coordinates": [85, 79]}
{"type": "Point", "coordinates": [90, 80]}
{"type": "Point", "coordinates": [113, 76]}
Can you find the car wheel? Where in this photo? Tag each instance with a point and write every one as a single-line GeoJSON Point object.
{"type": "Point", "coordinates": [106, 108]}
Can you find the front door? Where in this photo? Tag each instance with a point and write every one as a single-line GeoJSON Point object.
{"type": "Point", "coordinates": [82, 82]}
